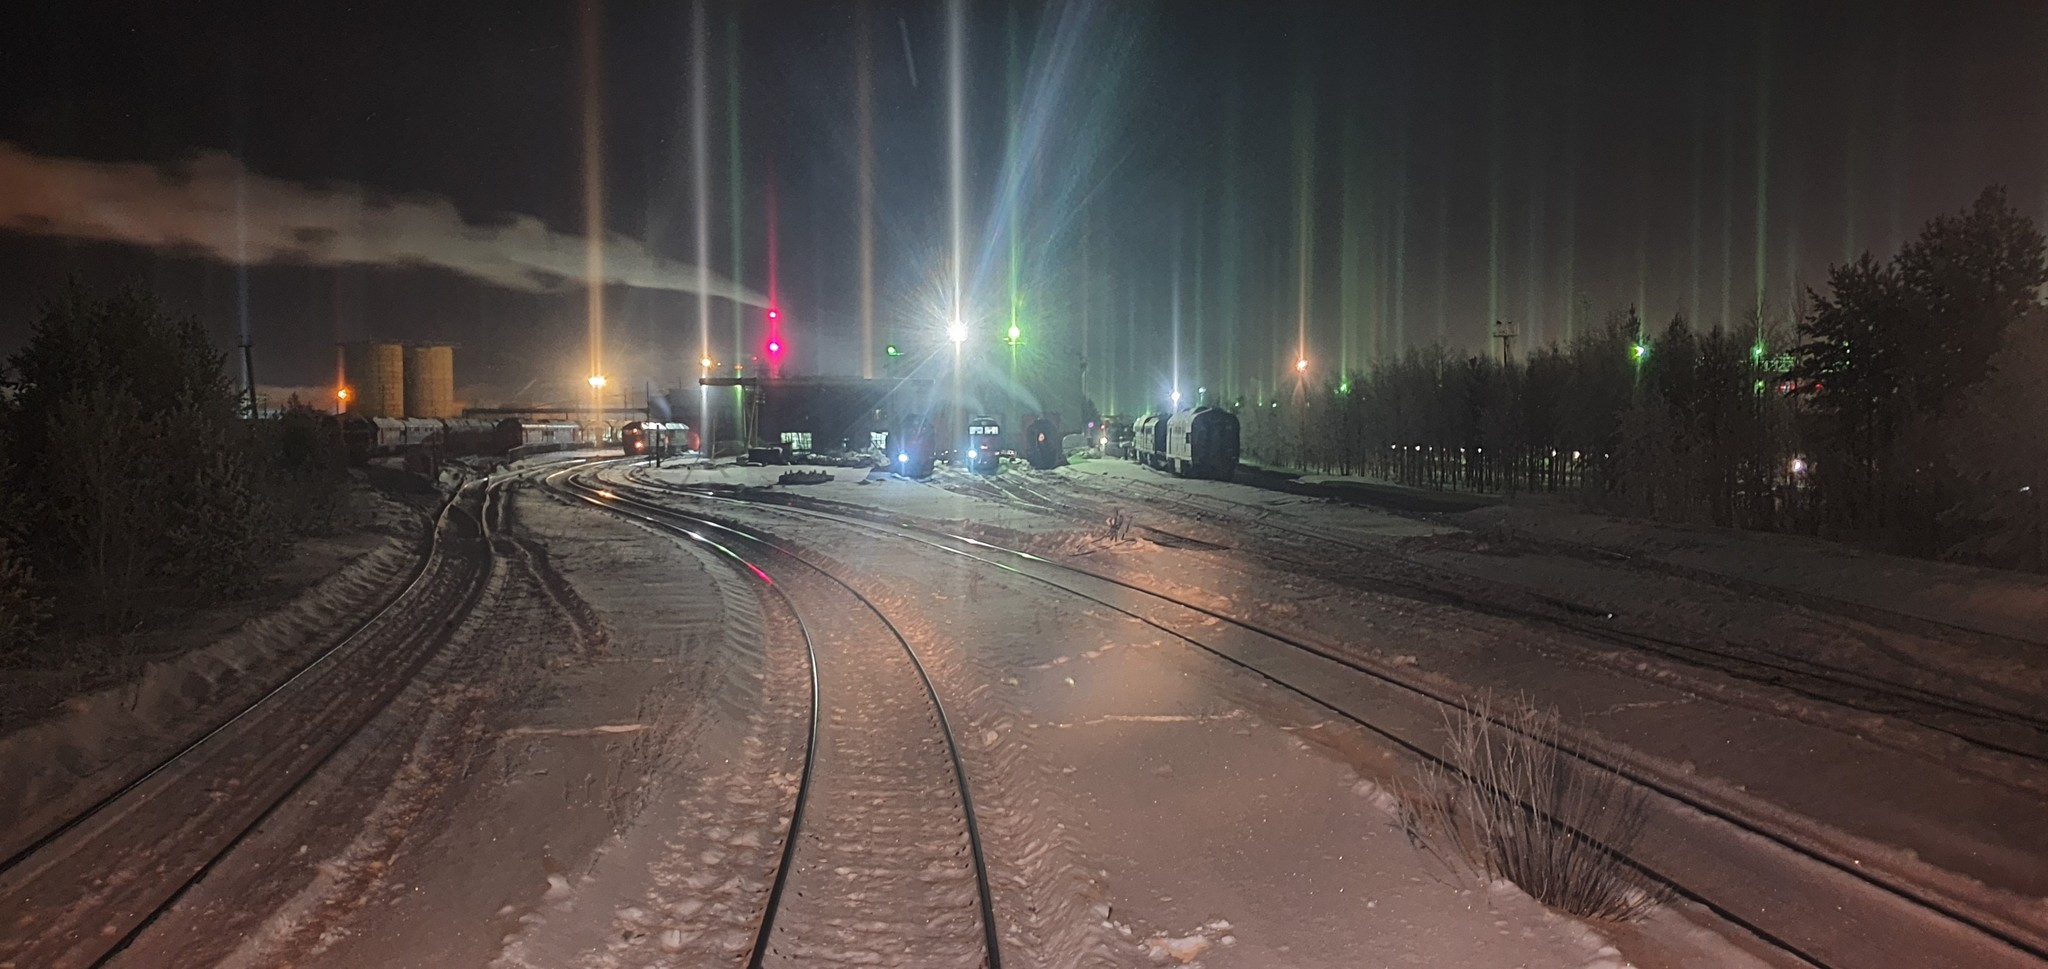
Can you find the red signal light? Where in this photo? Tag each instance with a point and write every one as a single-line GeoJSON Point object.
{"type": "Point", "coordinates": [773, 315]}
{"type": "Point", "coordinates": [775, 348]}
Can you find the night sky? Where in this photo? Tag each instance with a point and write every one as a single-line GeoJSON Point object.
{"type": "Point", "coordinates": [1347, 180]}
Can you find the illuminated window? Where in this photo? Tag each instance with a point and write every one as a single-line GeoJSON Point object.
{"type": "Point", "coordinates": [879, 440]}
{"type": "Point", "coordinates": [797, 440]}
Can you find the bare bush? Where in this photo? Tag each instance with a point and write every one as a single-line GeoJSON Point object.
{"type": "Point", "coordinates": [1512, 799]}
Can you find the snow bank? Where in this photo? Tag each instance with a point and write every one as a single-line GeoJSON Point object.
{"type": "Point", "coordinates": [101, 740]}
{"type": "Point", "coordinates": [741, 476]}
{"type": "Point", "coordinates": [2008, 604]}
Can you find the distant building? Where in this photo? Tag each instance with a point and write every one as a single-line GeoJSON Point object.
{"type": "Point", "coordinates": [373, 373]}
{"type": "Point", "coordinates": [807, 413]}
{"type": "Point", "coordinates": [388, 379]}
{"type": "Point", "coordinates": [430, 380]}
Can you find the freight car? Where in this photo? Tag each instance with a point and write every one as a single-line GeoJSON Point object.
{"type": "Point", "coordinates": [468, 436]}
{"type": "Point", "coordinates": [518, 437]}
{"type": "Point", "coordinates": [1042, 446]}
{"type": "Point", "coordinates": [1202, 443]}
{"type": "Point", "coordinates": [368, 437]}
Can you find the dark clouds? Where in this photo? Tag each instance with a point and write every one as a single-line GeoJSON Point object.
{"type": "Point", "coordinates": [1543, 162]}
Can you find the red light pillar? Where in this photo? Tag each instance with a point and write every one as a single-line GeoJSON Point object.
{"type": "Point", "coordinates": [776, 344]}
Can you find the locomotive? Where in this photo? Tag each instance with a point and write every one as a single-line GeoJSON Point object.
{"type": "Point", "coordinates": [984, 445]}
{"type": "Point", "coordinates": [654, 439]}
{"type": "Point", "coordinates": [1042, 447]}
{"type": "Point", "coordinates": [1115, 440]}
{"type": "Point", "coordinates": [1148, 440]}
{"type": "Point", "coordinates": [915, 447]}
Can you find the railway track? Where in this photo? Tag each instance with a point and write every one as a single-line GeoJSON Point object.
{"type": "Point", "coordinates": [82, 892]}
{"type": "Point", "coordinates": [1793, 889]}
{"type": "Point", "coordinates": [1860, 611]}
{"type": "Point", "coordinates": [1009, 489]}
{"type": "Point", "coordinates": [2008, 729]}
{"type": "Point", "coordinates": [883, 852]}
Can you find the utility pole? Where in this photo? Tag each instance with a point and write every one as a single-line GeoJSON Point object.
{"type": "Point", "coordinates": [249, 376]}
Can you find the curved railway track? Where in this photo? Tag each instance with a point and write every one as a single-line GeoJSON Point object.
{"type": "Point", "coordinates": [1796, 891]}
{"type": "Point", "coordinates": [847, 759]}
{"type": "Point", "coordinates": [83, 891]}
{"type": "Point", "coordinates": [2009, 730]}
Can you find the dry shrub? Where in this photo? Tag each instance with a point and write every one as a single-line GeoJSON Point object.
{"type": "Point", "coordinates": [1513, 800]}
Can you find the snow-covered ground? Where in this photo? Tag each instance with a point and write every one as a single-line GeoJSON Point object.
{"type": "Point", "coordinates": [1896, 793]}
{"type": "Point", "coordinates": [875, 489]}
{"type": "Point", "coordinates": [1889, 787]}
{"type": "Point", "coordinates": [587, 711]}
{"type": "Point", "coordinates": [1206, 816]}
{"type": "Point", "coordinates": [1956, 631]}
{"type": "Point", "coordinates": [213, 664]}
{"type": "Point", "coordinates": [598, 768]}
{"type": "Point", "coordinates": [2004, 604]}
{"type": "Point", "coordinates": [1999, 603]}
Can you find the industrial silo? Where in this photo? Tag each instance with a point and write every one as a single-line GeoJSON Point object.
{"type": "Point", "coordinates": [430, 381]}
{"type": "Point", "coordinates": [375, 376]}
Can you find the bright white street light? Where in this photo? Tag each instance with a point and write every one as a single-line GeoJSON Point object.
{"type": "Point", "coordinates": [956, 332]}
{"type": "Point", "coordinates": [1301, 365]}
{"type": "Point", "coordinates": [1176, 397]}
{"type": "Point", "coordinates": [597, 381]}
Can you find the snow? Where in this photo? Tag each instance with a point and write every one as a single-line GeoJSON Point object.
{"type": "Point", "coordinates": [599, 771]}
{"type": "Point", "coordinates": [1212, 833]}
{"type": "Point", "coordinates": [881, 490]}
{"type": "Point", "coordinates": [528, 787]}
{"type": "Point", "coordinates": [1921, 806]}
{"type": "Point", "coordinates": [95, 742]}
{"type": "Point", "coordinates": [2005, 604]}
{"type": "Point", "coordinates": [726, 475]}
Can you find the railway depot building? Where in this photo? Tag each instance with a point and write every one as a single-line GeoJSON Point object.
{"type": "Point", "coordinates": [808, 413]}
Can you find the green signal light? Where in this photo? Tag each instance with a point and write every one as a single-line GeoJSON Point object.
{"type": "Point", "coordinates": [1640, 351]}
{"type": "Point", "coordinates": [1015, 333]}
{"type": "Point", "coordinates": [893, 351]}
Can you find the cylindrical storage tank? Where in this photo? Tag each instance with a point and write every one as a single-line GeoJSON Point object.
{"type": "Point", "coordinates": [375, 376]}
{"type": "Point", "coordinates": [430, 381]}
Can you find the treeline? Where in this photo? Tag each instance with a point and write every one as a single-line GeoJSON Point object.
{"type": "Point", "coordinates": [1906, 408]}
{"type": "Point", "coordinates": [131, 484]}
